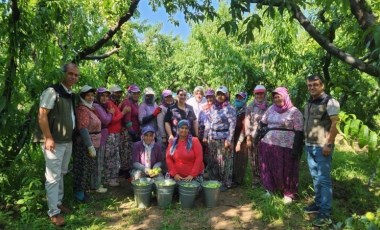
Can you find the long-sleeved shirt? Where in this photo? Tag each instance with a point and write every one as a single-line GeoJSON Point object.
{"type": "Point", "coordinates": [115, 125]}
{"type": "Point", "coordinates": [184, 162]}
{"type": "Point", "coordinates": [146, 110]}
{"type": "Point", "coordinates": [197, 106]}
{"type": "Point", "coordinates": [222, 123]}
{"type": "Point", "coordinates": [132, 116]}
{"type": "Point", "coordinates": [88, 119]}
{"type": "Point", "coordinates": [105, 119]}
{"type": "Point", "coordinates": [138, 156]}
{"type": "Point", "coordinates": [253, 116]}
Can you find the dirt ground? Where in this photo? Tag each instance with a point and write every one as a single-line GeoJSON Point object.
{"type": "Point", "coordinates": [234, 211]}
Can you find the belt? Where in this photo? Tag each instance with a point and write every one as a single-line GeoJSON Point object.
{"type": "Point", "coordinates": [221, 130]}
{"type": "Point", "coordinates": [95, 132]}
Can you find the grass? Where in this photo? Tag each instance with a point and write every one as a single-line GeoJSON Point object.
{"type": "Point", "coordinates": [116, 209]}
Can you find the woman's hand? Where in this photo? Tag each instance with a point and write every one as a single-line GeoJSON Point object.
{"type": "Point", "coordinates": [177, 177]}
{"type": "Point", "coordinates": [227, 144]}
{"type": "Point", "coordinates": [238, 147]}
{"type": "Point", "coordinates": [188, 178]}
{"type": "Point", "coordinates": [249, 144]}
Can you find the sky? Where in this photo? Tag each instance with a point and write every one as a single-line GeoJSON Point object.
{"type": "Point", "coordinates": [161, 17]}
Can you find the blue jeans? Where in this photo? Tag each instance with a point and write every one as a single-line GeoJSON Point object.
{"type": "Point", "coordinates": [320, 171]}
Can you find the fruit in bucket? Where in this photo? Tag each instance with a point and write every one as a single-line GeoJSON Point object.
{"type": "Point", "coordinates": [154, 172]}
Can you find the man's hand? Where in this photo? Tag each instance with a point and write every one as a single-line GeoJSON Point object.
{"type": "Point", "coordinates": [249, 144]}
{"type": "Point", "coordinates": [50, 144]}
{"type": "Point", "coordinates": [327, 150]}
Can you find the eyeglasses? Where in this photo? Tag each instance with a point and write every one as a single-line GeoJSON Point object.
{"type": "Point", "coordinates": [313, 85]}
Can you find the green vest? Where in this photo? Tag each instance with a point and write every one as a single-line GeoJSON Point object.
{"type": "Point", "coordinates": [317, 121]}
{"type": "Point", "coordinates": [60, 119]}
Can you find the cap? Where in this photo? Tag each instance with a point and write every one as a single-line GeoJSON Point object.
{"type": "Point", "coordinates": [222, 89]}
{"type": "Point", "coordinates": [87, 88]}
{"type": "Point", "coordinates": [210, 92]}
{"type": "Point", "coordinates": [199, 88]}
{"type": "Point", "coordinates": [242, 94]}
{"type": "Point", "coordinates": [148, 91]}
{"type": "Point", "coordinates": [133, 88]}
{"type": "Point", "coordinates": [115, 88]}
{"type": "Point", "coordinates": [102, 90]}
{"type": "Point", "coordinates": [259, 89]}
{"type": "Point", "coordinates": [147, 129]}
{"type": "Point", "coordinates": [167, 92]}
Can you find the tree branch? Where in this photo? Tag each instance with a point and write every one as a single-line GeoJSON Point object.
{"type": "Point", "coordinates": [365, 18]}
{"type": "Point", "coordinates": [111, 32]}
{"type": "Point", "coordinates": [330, 47]}
{"type": "Point", "coordinates": [325, 43]}
{"type": "Point", "coordinates": [103, 56]}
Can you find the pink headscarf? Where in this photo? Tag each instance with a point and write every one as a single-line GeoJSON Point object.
{"type": "Point", "coordinates": [287, 102]}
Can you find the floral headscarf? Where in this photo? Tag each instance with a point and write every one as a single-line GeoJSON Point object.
{"type": "Point", "coordinates": [189, 141]}
{"type": "Point", "coordinates": [287, 102]}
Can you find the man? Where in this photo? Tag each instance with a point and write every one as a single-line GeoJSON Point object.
{"type": "Point", "coordinates": [197, 100]}
{"type": "Point", "coordinates": [321, 117]}
{"type": "Point", "coordinates": [56, 122]}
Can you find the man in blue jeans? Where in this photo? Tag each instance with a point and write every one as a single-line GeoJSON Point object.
{"type": "Point", "coordinates": [321, 117]}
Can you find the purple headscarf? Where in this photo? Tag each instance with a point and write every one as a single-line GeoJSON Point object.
{"type": "Point", "coordinates": [189, 140]}
{"type": "Point", "coordinates": [285, 96]}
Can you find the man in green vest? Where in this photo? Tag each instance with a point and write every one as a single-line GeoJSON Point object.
{"type": "Point", "coordinates": [321, 117]}
{"type": "Point", "coordinates": [56, 122]}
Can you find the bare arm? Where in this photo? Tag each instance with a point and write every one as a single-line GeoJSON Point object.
{"type": "Point", "coordinates": [44, 125]}
{"type": "Point", "coordinates": [331, 136]}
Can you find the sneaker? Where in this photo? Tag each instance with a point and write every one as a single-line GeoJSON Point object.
{"type": "Point", "coordinates": [57, 220]}
{"type": "Point", "coordinates": [113, 184]}
{"type": "Point", "coordinates": [322, 221]}
{"type": "Point", "coordinates": [101, 190]}
{"type": "Point", "coordinates": [287, 200]}
{"type": "Point", "coordinates": [64, 209]}
{"type": "Point", "coordinates": [313, 208]}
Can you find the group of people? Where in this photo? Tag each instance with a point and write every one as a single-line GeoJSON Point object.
{"type": "Point", "coordinates": [209, 135]}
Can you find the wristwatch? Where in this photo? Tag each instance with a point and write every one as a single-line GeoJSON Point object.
{"type": "Point", "coordinates": [329, 145]}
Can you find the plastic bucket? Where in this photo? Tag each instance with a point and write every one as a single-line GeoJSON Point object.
{"type": "Point", "coordinates": [142, 189]}
{"type": "Point", "coordinates": [165, 189]}
{"type": "Point", "coordinates": [187, 193]}
{"type": "Point", "coordinates": [211, 190]}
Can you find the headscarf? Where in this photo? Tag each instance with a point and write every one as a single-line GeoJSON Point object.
{"type": "Point", "coordinates": [240, 103]}
{"type": "Point", "coordinates": [189, 141]}
{"type": "Point", "coordinates": [287, 102]}
{"type": "Point", "coordinates": [132, 89]}
{"type": "Point", "coordinates": [83, 92]}
{"type": "Point", "coordinates": [151, 100]}
{"type": "Point", "coordinates": [165, 93]}
{"type": "Point", "coordinates": [147, 147]}
{"type": "Point", "coordinates": [262, 105]}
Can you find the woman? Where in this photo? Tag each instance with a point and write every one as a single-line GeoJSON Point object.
{"type": "Point", "coordinates": [167, 100]}
{"type": "Point", "coordinates": [112, 153]}
{"type": "Point", "coordinates": [86, 144]}
{"type": "Point", "coordinates": [184, 156]}
{"type": "Point", "coordinates": [204, 116]}
{"type": "Point", "coordinates": [130, 131]}
{"type": "Point", "coordinates": [240, 154]}
{"type": "Point", "coordinates": [148, 110]}
{"type": "Point", "coordinates": [146, 156]}
{"type": "Point", "coordinates": [278, 166]}
{"type": "Point", "coordinates": [253, 116]}
{"type": "Point", "coordinates": [180, 111]}
{"type": "Point", "coordinates": [219, 131]}
{"type": "Point", "coordinates": [105, 117]}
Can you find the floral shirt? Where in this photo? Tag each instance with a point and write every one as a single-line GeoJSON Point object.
{"type": "Point", "coordinates": [253, 116]}
{"type": "Point", "coordinates": [175, 114]}
{"type": "Point", "coordinates": [221, 124]}
{"type": "Point", "coordinates": [132, 116]}
{"type": "Point", "coordinates": [87, 118]}
{"type": "Point", "coordinates": [291, 119]}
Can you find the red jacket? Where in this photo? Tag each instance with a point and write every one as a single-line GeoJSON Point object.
{"type": "Point", "coordinates": [185, 162]}
{"type": "Point", "coordinates": [115, 125]}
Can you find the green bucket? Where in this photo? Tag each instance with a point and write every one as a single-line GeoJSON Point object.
{"type": "Point", "coordinates": [165, 189]}
{"type": "Point", "coordinates": [211, 190]}
{"type": "Point", "coordinates": [187, 193]}
{"type": "Point", "coordinates": [142, 188]}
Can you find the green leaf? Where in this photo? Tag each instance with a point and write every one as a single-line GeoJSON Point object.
{"type": "Point", "coordinates": [363, 136]}
{"type": "Point", "coordinates": [22, 201]}
{"type": "Point", "coordinates": [346, 129]}
{"type": "Point", "coordinates": [372, 142]}
{"type": "Point", "coordinates": [354, 127]}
